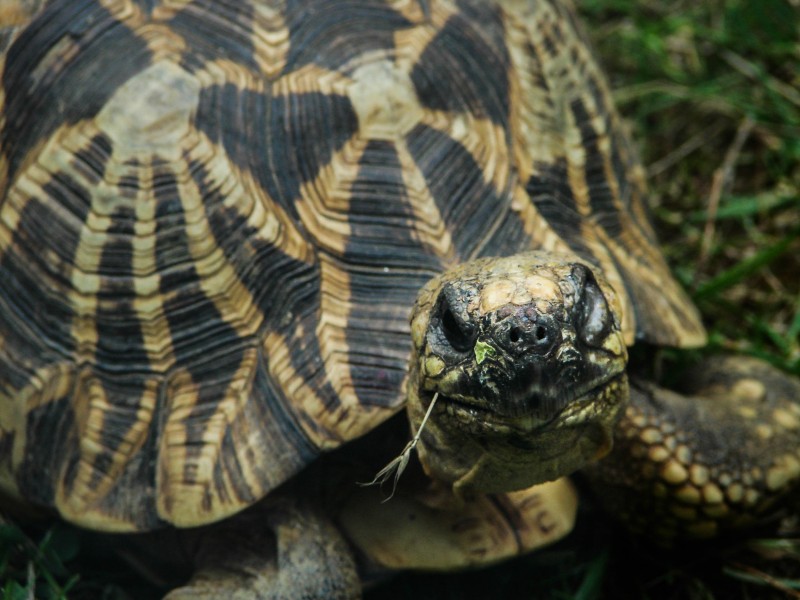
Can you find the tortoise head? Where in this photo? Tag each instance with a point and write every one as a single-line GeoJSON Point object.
{"type": "Point", "coordinates": [528, 361]}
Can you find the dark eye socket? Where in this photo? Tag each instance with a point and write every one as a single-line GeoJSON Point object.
{"type": "Point", "coordinates": [457, 333]}
{"type": "Point", "coordinates": [596, 320]}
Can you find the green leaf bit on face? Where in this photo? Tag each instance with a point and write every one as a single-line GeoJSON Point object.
{"type": "Point", "coordinates": [483, 350]}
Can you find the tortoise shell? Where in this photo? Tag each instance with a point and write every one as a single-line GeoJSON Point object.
{"type": "Point", "coordinates": [215, 218]}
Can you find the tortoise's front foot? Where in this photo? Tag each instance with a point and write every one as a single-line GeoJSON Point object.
{"type": "Point", "coordinates": [721, 457]}
{"type": "Point", "coordinates": [288, 551]}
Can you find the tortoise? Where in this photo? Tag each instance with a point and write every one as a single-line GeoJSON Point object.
{"type": "Point", "coordinates": [238, 236]}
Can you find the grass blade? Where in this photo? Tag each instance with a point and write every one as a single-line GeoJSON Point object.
{"type": "Point", "coordinates": [740, 271]}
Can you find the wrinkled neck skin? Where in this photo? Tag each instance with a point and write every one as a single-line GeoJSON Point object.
{"type": "Point", "coordinates": [491, 457]}
{"type": "Point", "coordinates": [527, 361]}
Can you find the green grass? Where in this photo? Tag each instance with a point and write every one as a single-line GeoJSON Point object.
{"type": "Point", "coordinates": [712, 93]}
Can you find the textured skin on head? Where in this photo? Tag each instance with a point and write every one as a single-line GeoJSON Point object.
{"type": "Point", "coordinates": [539, 383]}
{"type": "Point", "coordinates": [720, 458]}
{"type": "Point", "coordinates": [199, 298]}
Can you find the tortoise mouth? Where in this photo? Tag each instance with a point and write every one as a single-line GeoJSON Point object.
{"type": "Point", "coordinates": [584, 405]}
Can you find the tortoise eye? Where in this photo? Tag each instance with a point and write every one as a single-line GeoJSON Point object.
{"type": "Point", "coordinates": [458, 333]}
{"type": "Point", "coordinates": [595, 315]}
{"type": "Point", "coordinates": [453, 328]}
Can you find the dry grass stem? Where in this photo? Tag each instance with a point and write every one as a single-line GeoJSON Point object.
{"type": "Point", "coordinates": [748, 573]}
{"type": "Point", "coordinates": [397, 465]}
{"type": "Point", "coordinates": [723, 180]}
{"type": "Point", "coordinates": [750, 70]}
{"type": "Point", "coordinates": [685, 149]}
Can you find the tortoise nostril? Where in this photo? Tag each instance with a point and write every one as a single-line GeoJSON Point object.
{"type": "Point", "coordinates": [523, 334]}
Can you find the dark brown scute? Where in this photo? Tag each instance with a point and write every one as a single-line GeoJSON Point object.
{"type": "Point", "coordinates": [46, 89]}
{"type": "Point", "coordinates": [283, 140]}
{"type": "Point", "coordinates": [214, 30]}
{"type": "Point", "coordinates": [468, 203]}
{"type": "Point", "coordinates": [465, 67]}
{"type": "Point", "coordinates": [332, 34]}
{"type": "Point", "coordinates": [384, 262]}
